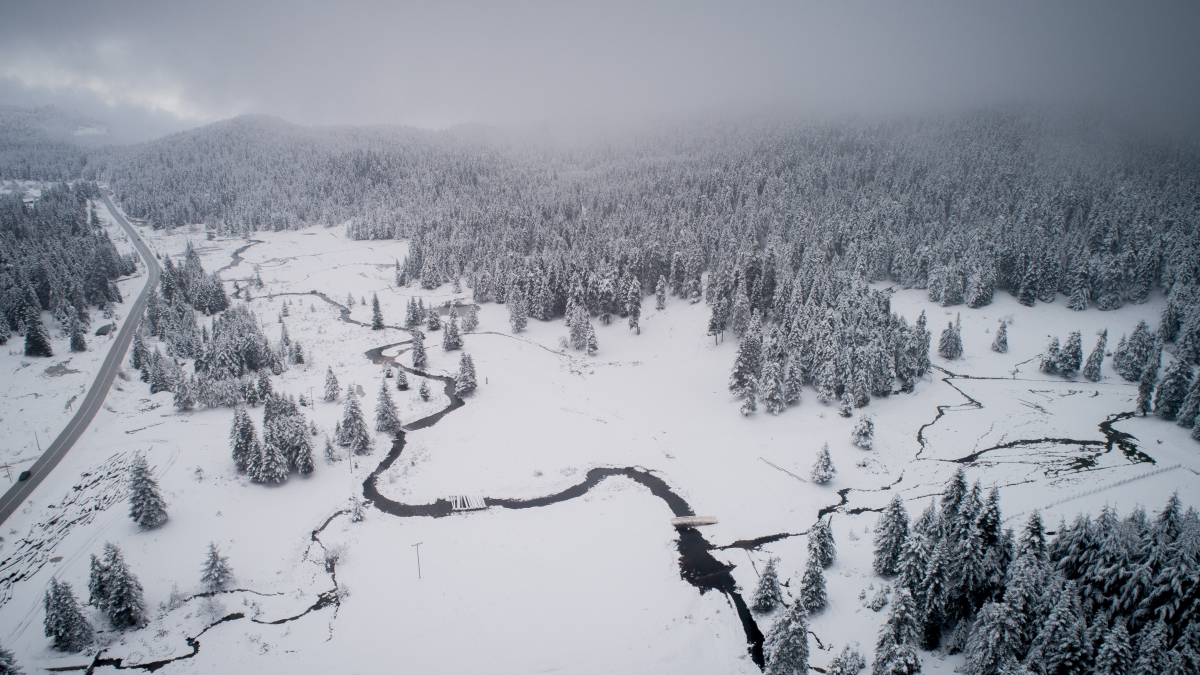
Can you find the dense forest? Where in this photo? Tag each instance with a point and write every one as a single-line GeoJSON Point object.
{"type": "Point", "coordinates": [778, 227]}
{"type": "Point", "coordinates": [1107, 595]}
{"type": "Point", "coordinates": [55, 257]}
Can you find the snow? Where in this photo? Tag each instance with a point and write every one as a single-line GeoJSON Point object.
{"type": "Point", "coordinates": [588, 585]}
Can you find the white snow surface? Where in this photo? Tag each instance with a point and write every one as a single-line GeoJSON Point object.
{"type": "Point", "coordinates": [589, 585]}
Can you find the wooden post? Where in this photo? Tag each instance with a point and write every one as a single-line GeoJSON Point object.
{"type": "Point", "coordinates": [418, 547]}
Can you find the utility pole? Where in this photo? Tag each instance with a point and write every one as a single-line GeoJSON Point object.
{"type": "Point", "coordinates": [418, 547]}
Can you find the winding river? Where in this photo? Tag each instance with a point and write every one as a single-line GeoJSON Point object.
{"type": "Point", "coordinates": [697, 565]}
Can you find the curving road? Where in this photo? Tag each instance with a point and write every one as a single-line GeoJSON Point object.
{"type": "Point", "coordinates": [96, 394]}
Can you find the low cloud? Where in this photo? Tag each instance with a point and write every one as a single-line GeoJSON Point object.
{"type": "Point", "coordinates": [534, 62]}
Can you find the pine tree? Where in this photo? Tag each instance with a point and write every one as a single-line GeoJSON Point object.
{"type": "Point", "coordinates": [302, 455]}
{"type": "Point", "coordinates": [243, 440]}
{"type": "Point", "coordinates": [1115, 656]}
{"type": "Point", "coordinates": [401, 380]}
{"type": "Point", "coordinates": [1173, 389]}
{"type": "Point", "coordinates": [768, 595]}
{"type": "Point", "coordinates": [434, 320]}
{"type": "Point", "coordinates": [718, 319]}
{"type": "Point", "coordinates": [1059, 646]}
{"type": "Point", "coordinates": [1051, 358]}
{"type": "Point", "coordinates": [896, 649]}
{"type": "Point", "coordinates": [518, 313]}
{"type": "Point", "coordinates": [78, 343]}
{"type": "Point", "coordinates": [1146, 385]}
{"type": "Point", "coordinates": [6, 333]}
{"type": "Point", "coordinates": [37, 339]}
{"type": "Point", "coordinates": [270, 466]}
{"type": "Point", "coordinates": [935, 592]}
{"type": "Point", "coordinates": [216, 571]}
{"type": "Point", "coordinates": [350, 300]}
{"type": "Point", "coordinates": [124, 603]}
{"type": "Point", "coordinates": [264, 388]}
{"type": "Point", "coordinates": [185, 393]}
{"type": "Point", "coordinates": [747, 365]}
{"type": "Point", "coordinates": [995, 642]}
{"type": "Point", "coordinates": [376, 313]}
{"type": "Point", "coordinates": [1000, 344]}
{"type": "Point", "coordinates": [331, 386]}
{"type": "Point", "coordinates": [451, 339]}
{"type": "Point", "coordinates": [139, 354]}
{"type": "Point", "coordinates": [1091, 369]}
{"type": "Point", "coordinates": [1072, 354]}
{"type": "Point", "coordinates": [423, 390]}
{"type": "Point", "coordinates": [749, 405]}
{"type": "Point", "coordinates": [146, 505]}
{"type": "Point", "coordinates": [331, 454]}
{"type": "Point", "coordinates": [577, 321]}
{"type": "Point", "coordinates": [97, 594]}
{"type": "Point", "coordinates": [1131, 358]}
{"type": "Point", "coordinates": [354, 429]}
{"type": "Point", "coordinates": [863, 434]}
{"type": "Point", "coordinates": [411, 318]}
{"type": "Point", "coordinates": [812, 585]}
{"type": "Point", "coordinates": [849, 662]}
{"type": "Point", "coordinates": [465, 382]}
{"type": "Point", "coordinates": [740, 316]}
{"type": "Point", "coordinates": [633, 304]}
{"type": "Point", "coordinates": [660, 293]}
{"type": "Point", "coordinates": [950, 344]}
{"type": "Point", "coordinates": [772, 386]}
{"type": "Point", "coordinates": [160, 376]}
{"type": "Point", "coordinates": [8, 662]}
{"type": "Point", "coordinates": [1189, 409]}
{"type": "Point", "coordinates": [1151, 650]}
{"type": "Point", "coordinates": [592, 346]}
{"type": "Point", "coordinates": [786, 645]}
{"type": "Point", "coordinates": [419, 359]}
{"type": "Point", "coordinates": [249, 393]}
{"type": "Point", "coordinates": [387, 420]}
{"type": "Point", "coordinates": [846, 408]}
{"type": "Point", "coordinates": [821, 544]}
{"type": "Point", "coordinates": [64, 620]}
{"type": "Point", "coordinates": [891, 534]}
{"type": "Point", "coordinates": [823, 471]}
{"type": "Point", "coordinates": [472, 321]}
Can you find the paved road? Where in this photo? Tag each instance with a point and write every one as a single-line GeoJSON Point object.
{"type": "Point", "coordinates": [19, 492]}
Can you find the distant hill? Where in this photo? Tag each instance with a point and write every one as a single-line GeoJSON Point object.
{"type": "Point", "coordinates": [45, 143]}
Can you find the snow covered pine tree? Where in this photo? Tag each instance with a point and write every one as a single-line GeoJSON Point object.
{"type": "Point", "coordinates": [950, 344]}
{"type": "Point", "coordinates": [64, 620]}
{"type": "Point", "coordinates": [465, 382]}
{"type": "Point", "coordinates": [823, 471]}
{"type": "Point", "coordinates": [331, 386]}
{"type": "Point", "coordinates": [387, 420]}
{"type": "Point", "coordinates": [116, 591]}
{"type": "Point", "coordinates": [216, 571]}
{"type": "Point", "coordinates": [1000, 344]}
{"type": "Point", "coordinates": [785, 648]}
{"type": "Point", "coordinates": [768, 595]}
{"type": "Point", "coordinates": [146, 505]}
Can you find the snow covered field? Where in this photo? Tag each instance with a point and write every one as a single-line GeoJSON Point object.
{"type": "Point", "coordinates": [588, 585]}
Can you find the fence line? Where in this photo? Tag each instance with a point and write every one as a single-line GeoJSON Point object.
{"type": "Point", "coordinates": [1099, 489]}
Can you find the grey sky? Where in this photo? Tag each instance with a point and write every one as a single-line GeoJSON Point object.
{"type": "Point", "coordinates": [163, 65]}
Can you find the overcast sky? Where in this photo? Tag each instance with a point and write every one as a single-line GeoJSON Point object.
{"type": "Point", "coordinates": [159, 65]}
